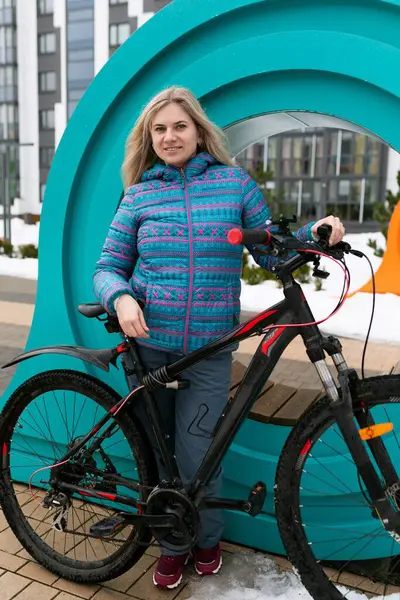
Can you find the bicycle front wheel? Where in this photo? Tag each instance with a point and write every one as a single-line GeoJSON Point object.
{"type": "Point", "coordinates": [330, 531]}
{"type": "Point", "coordinates": [44, 418]}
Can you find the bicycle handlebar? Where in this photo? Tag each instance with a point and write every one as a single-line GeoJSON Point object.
{"type": "Point", "coordinates": [249, 236]}
{"type": "Point", "coordinates": [282, 241]}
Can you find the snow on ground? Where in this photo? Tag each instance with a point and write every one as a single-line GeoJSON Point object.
{"type": "Point", "coordinates": [351, 321]}
{"type": "Point", "coordinates": [26, 268]}
{"type": "Point", "coordinates": [20, 234]}
{"type": "Point", "coordinates": [253, 576]}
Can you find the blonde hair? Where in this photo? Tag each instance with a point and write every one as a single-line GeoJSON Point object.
{"type": "Point", "coordinates": [139, 154]}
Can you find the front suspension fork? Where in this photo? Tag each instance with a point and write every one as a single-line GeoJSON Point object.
{"type": "Point", "coordinates": [334, 348]}
{"type": "Point", "coordinates": [342, 410]}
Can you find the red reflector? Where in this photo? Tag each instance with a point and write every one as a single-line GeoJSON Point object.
{"type": "Point", "coordinates": [235, 236]}
{"type": "Point", "coordinates": [306, 448]}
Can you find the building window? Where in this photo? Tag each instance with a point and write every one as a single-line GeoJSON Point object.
{"type": "Point", "coordinates": [46, 119]}
{"type": "Point", "coordinates": [47, 81]}
{"type": "Point", "coordinates": [8, 52]}
{"type": "Point", "coordinates": [80, 49]}
{"type": "Point", "coordinates": [42, 191]}
{"type": "Point", "coordinates": [84, 14]}
{"type": "Point", "coordinates": [45, 7]}
{"type": "Point", "coordinates": [47, 43]}
{"type": "Point", "coordinates": [372, 156]}
{"type": "Point", "coordinates": [297, 154]}
{"type": "Point", "coordinates": [8, 84]}
{"type": "Point", "coordinates": [7, 15]}
{"type": "Point", "coordinates": [347, 158]}
{"type": "Point", "coordinates": [8, 121]}
{"type": "Point", "coordinates": [119, 33]}
{"type": "Point", "coordinates": [46, 156]}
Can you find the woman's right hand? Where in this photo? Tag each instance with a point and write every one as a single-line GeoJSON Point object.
{"type": "Point", "coordinates": [130, 317]}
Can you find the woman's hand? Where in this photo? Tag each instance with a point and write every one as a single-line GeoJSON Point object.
{"type": "Point", "coordinates": [337, 229]}
{"type": "Point", "coordinates": [130, 317]}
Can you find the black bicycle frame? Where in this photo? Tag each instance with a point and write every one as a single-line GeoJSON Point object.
{"type": "Point", "coordinates": [292, 311]}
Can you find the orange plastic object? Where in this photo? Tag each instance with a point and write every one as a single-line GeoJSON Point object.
{"type": "Point", "coordinates": [387, 277]}
{"type": "Point", "coordinates": [368, 433]}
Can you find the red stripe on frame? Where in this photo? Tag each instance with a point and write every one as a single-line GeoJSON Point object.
{"type": "Point", "coordinates": [268, 343]}
{"type": "Point", "coordinates": [101, 494]}
{"type": "Point", "coordinates": [105, 495]}
{"type": "Point", "coordinates": [254, 322]}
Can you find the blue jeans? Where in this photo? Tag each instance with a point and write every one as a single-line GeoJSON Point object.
{"type": "Point", "coordinates": [188, 418]}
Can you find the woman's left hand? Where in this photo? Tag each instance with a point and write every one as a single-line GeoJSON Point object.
{"type": "Point", "coordinates": [337, 229]}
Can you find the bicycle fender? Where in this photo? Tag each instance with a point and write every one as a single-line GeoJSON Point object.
{"type": "Point", "coordinates": [99, 358]}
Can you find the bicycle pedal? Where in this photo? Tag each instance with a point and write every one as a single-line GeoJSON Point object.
{"type": "Point", "coordinates": [107, 527]}
{"type": "Point", "coordinates": [256, 499]}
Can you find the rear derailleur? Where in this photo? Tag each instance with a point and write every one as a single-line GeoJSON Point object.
{"type": "Point", "coordinates": [61, 504]}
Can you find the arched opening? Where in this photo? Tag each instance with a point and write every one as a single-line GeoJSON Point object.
{"type": "Point", "coordinates": [316, 164]}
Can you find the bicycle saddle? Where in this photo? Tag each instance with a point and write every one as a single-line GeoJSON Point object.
{"type": "Point", "coordinates": [91, 310]}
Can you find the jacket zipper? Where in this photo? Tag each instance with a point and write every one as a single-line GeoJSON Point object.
{"type": "Point", "coordinates": [189, 304]}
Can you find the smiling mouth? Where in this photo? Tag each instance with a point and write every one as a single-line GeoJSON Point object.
{"type": "Point", "coordinates": [173, 149]}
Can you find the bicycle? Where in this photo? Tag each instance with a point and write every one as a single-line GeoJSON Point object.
{"type": "Point", "coordinates": [85, 520]}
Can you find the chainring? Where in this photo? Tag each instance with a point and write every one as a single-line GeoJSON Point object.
{"type": "Point", "coordinates": [164, 501]}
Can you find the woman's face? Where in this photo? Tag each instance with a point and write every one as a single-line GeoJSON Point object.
{"type": "Point", "coordinates": [174, 135]}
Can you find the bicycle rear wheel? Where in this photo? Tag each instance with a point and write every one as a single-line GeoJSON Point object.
{"type": "Point", "coordinates": [330, 532]}
{"type": "Point", "coordinates": [40, 421]}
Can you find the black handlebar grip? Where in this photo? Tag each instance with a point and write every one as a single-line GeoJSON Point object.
{"type": "Point", "coordinates": [324, 231]}
{"type": "Point", "coordinates": [248, 236]}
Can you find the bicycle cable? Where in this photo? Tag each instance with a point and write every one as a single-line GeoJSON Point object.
{"type": "Point", "coordinates": [372, 314]}
{"type": "Point", "coordinates": [113, 411]}
{"type": "Point", "coordinates": [342, 299]}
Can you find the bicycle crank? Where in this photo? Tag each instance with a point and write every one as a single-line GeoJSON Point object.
{"type": "Point", "coordinates": [174, 503]}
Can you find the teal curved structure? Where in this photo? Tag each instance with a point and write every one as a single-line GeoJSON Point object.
{"type": "Point", "coordinates": [304, 62]}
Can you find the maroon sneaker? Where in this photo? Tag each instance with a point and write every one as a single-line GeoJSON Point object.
{"type": "Point", "coordinates": [207, 561]}
{"type": "Point", "coordinates": [168, 571]}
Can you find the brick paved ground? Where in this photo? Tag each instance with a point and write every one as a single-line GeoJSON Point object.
{"type": "Point", "coordinates": [20, 577]}
{"type": "Point", "coordinates": [23, 579]}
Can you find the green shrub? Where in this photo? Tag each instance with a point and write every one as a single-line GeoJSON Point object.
{"type": "Point", "coordinates": [302, 275]}
{"type": "Point", "coordinates": [6, 248]}
{"type": "Point", "coordinates": [256, 275]}
{"type": "Point", "coordinates": [28, 251]}
{"type": "Point", "coordinates": [377, 251]}
{"type": "Point", "coordinates": [318, 284]}
{"type": "Point", "coordinates": [253, 275]}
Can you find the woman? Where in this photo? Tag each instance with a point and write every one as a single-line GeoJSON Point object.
{"type": "Point", "coordinates": [167, 250]}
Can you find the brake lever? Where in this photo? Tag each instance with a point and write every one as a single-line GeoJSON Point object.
{"type": "Point", "coordinates": [347, 249]}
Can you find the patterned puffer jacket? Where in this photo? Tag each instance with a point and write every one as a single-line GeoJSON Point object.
{"type": "Point", "coordinates": [167, 247]}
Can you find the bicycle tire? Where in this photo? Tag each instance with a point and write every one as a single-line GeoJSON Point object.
{"type": "Point", "coordinates": [372, 392]}
{"type": "Point", "coordinates": [80, 571]}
